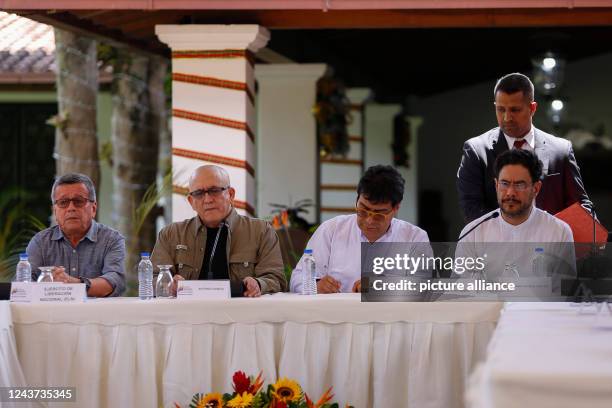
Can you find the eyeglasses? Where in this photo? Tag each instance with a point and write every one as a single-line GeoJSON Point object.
{"type": "Point", "coordinates": [79, 202]}
{"type": "Point", "coordinates": [378, 216]}
{"type": "Point", "coordinates": [213, 192]}
{"type": "Point", "coordinates": [518, 186]}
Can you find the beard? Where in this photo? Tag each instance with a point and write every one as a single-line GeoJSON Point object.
{"type": "Point", "coordinates": [513, 208]}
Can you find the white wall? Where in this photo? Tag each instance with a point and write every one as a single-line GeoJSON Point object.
{"type": "Point", "coordinates": [286, 135]}
{"type": "Point", "coordinates": [379, 137]}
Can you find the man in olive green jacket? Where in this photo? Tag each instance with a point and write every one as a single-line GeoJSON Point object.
{"type": "Point", "coordinates": [219, 243]}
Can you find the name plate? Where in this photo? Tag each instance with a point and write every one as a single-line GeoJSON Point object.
{"type": "Point", "coordinates": [203, 289]}
{"type": "Point", "coordinates": [530, 288]}
{"type": "Point", "coordinates": [34, 292]}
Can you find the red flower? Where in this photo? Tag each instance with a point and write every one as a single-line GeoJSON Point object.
{"type": "Point", "coordinates": [278, 404]}
{"type": "Point", "coordinates": [241, 382]}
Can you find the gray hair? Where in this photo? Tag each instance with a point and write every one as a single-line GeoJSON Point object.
{"type": "Point", "coordinates": [74, 178]}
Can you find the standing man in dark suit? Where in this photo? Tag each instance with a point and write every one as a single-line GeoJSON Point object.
{"type": "Point", "coordinates": [514, 107]}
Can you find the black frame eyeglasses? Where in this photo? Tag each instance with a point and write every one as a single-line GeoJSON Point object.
{"type": "Point", "coordinates": [213, 192]}
{"type": "Point", "coordinates": [79, 202]}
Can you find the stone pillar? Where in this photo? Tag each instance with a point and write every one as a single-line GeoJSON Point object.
{"type": "Point", "coordinates": [213, 106]}
{"type": "Point", "coordinates": [339, 177]}
{"type": "Point", "coordinates": [287, 135]}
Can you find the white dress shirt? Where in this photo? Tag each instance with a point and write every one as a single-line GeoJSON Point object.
{"type": "Point", "coordinates": [514, 245]}
{"type": "Point", "coordinates": [336, 247]}
{"type": "Point", "coordinates": [529, 139]}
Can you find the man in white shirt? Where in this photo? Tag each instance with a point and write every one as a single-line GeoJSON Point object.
{"type": "Point", "coordinates": [336, 244]}
{"type": "Point", "coordinates": [510, 235]}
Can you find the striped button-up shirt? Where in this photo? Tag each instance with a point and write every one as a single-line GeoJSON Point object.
{"type": "Point", "coordinates": [100, 253]}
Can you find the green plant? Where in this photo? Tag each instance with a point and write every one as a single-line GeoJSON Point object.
{"type": "Point", "coordinates": [148, 205]}
{"type": "Point", "coordinates": [293, 212]}
{"type": "Point", "coordinates": [17, 226]}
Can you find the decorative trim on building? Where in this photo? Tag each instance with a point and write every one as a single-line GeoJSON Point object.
{"type": "Point", "coordinates": [343, 210]}
{"type": "Point", "coordinates": [339, 187]}
{"type": "Point", "coordinates": [213, 158]}
{"type": "Point", "coordinates": [216, 82]}
{"type": "Point", "coordinates": [333, 160]}
{"type": "Point", "coordinates": [214, 120]}
{"type": "Point", "coordinates": [215, 54]}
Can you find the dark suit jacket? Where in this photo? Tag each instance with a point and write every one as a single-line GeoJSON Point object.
{"type": "Point", "coordinates": [561, 185]}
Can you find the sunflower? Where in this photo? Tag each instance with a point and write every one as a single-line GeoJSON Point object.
{"type": "Point", "coordinates": [286, 390]}
{"type": "Point", "coordinates": [241, 401]}
{"type": "Point", "coordinates": [211, 400]}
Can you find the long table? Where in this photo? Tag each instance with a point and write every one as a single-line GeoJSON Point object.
{"type": "Point", "coordinates": [546, 355]}
{"type": "Point", "coordinates": [11, 374]}
{"type": "Point", "coordinates": [128, 352]}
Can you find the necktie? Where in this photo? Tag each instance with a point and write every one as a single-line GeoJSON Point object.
{"type": "Point", "coordinates": [518, 144]}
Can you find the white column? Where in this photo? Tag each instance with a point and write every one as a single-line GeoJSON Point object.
{"type": "Point", "coordinates": [410, 204]}
{"type": "Point", "coordinates": [213, 106]}
{"type": "Point", "coordinates": [379, 137]}
{"type": "Point", "coordinates": [287, 135]}
{"type": "Point", "coordinates": [339, 177]}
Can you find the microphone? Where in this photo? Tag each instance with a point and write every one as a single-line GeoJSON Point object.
{"type": "Point", "coordinates": [490, 217]}
{"type": "Point", "coordinates": [214, 248]}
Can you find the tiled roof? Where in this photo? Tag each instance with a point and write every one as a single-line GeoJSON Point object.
{"type": "Point", "coordinates": [26, 46]}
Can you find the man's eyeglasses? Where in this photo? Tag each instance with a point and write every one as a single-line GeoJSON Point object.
{"type": "Point", "coordinates": [378, 216]}
{"type": "Point", "coordinates": [518, 186]}
{"type": "Point", "coordinates": [79, 202]}
{"type": "Point", "coordinates": [213, 192]}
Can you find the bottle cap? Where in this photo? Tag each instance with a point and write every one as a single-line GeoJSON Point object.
{"type": "Point", "coordinates": [308, 251]}
{"type": "Point", "coordinates": [539, 250]}
{"type": "Point", "coordinates": [23, 256]}
{"type": "Point", "coordinates": [145, 254]}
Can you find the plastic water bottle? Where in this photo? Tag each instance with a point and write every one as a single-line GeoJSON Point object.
{"type": "Point", "coordinates": [145, 277]}
{"type": "Point", "coordinates": [164, 282]}
{"type": "Point", "coordinates": [539, 265]}
{"type": "Point", "coordinates": [24, 269]}
{"type": "Point", "coordinates": [309, 277]}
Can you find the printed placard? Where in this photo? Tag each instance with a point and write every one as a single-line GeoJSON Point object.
{"type": "Point", "coordinates": [203, 289]}
{"type": "Point", "coordinates": [530, 287]}
{"type": "Point", "coordinates": [34, 292]}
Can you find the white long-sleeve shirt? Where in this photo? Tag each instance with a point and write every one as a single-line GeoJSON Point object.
{"type": "Point", "coordinates": [512, 247]}
{"type": "Point", "coordinates": [336, 247]}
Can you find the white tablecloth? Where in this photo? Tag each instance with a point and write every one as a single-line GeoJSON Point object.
{"type": "Point", "coordinates": [11, 374]}
{"type": "Point", "coordinates": [127, 352]}
{"type": "Point", "coordinates": [546, 355]}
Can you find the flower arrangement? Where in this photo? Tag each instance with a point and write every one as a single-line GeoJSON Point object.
{"type": "Point", "coordinates": [249, 393]}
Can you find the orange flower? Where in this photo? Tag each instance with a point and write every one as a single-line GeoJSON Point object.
{"type": "Point", "coordinates": [325, 398]}
{"type": "Point", "coordinates": [276, 222]}
{"type": "Point", "coordinates": [256, 385]}
{"type": "Point", "coordinates": [285, 218]}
